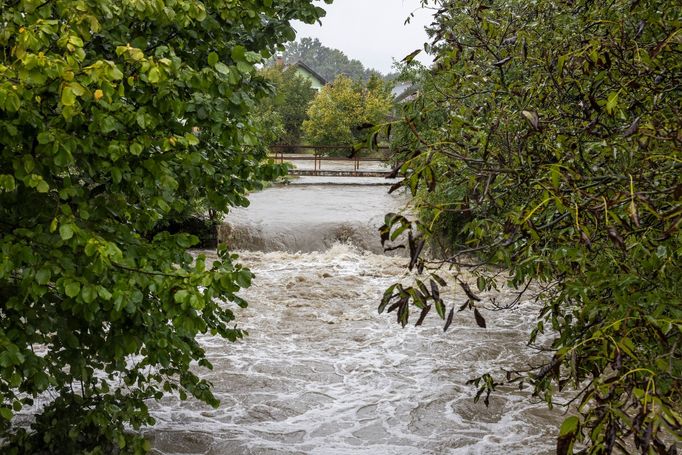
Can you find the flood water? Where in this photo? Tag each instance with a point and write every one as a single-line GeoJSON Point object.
{"type": "Point", "coordinates": [323, 373]}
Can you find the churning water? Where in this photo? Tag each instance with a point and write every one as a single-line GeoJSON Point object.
{"type": "Point", "coordinates": [323, 373]}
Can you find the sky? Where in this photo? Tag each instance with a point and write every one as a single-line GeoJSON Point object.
{"type": "Point", "coordinates": [371, 31]}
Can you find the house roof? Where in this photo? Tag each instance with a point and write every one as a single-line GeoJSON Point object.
{"type": "Point", "coordinates": [311, 71]}
{"type": "Point", "coordinates": [404, 92]}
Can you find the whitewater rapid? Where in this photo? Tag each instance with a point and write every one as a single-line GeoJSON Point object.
{"type": "Point", "coordinates": [323, 373]}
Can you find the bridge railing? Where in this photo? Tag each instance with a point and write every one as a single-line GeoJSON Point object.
{"type": "Point", "coordinates": [277, 153]}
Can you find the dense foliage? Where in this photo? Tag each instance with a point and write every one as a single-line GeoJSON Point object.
{"type": "Point", "coordinates": [547, 140]}
{"type": "Point", "coordinates": [326, 61]}
{"type": "Point", "coordinates": [115, 115]}
{"type": "Point", "coordinates": [343, 112]}
{"type": "Point", "coordinates": [285, 111]}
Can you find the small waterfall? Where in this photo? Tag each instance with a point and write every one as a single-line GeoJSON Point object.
{"type": "Point", "coordinates": [310, 217]}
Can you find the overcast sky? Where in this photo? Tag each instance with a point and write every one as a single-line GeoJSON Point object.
{"type": "Point", "coordinates": [371, 31]}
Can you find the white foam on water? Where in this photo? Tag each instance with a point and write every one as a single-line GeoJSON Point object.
{"type": "Point", "coordinates": [323, 373]}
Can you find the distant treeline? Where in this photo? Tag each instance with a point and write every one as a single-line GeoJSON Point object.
{"type": "Point", "coordinates": [328, 62]}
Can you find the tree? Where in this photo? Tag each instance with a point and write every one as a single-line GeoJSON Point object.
{"type": "Point", "coordinates": [292, 95]}
{"type": "Point", "coordinates": [549, 135]}
{"type": "Point", "coordinates": [327, 61]}
{"type": "Point", "coordinates": [114, 116]}
{"type": "Point", "coordinates": [341, 112]}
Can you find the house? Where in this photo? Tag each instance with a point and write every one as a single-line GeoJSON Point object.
{"type": "Point", "coordinates": [316, 81]}
{"type": "Point", "coordinates": [306, 72]}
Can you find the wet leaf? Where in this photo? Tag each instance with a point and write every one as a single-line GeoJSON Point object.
{"type": "Point", "coordinates": [435, 292]}
{"type": "Point", "coordinates": [451, 315]}
{"type": "Point", "coordinates": [502, 62]}
{"type": "Point", "coordinates": [632, 129]}
{"type": "Point", "coordinates": [615, 237]}
{"type": "Point", "coordinates": [468, 291]}
{"type": "Point", "coordinates": [479, 319]}
{"type": "Point", "coordinates": [422, 316]}
{"type": "Point", "coordinates": [438, 280]}
{"type": "Point", "coordinates": [440, 308]}
{"type": "Point", "coordinates": [411, 56]}
{"type": "Point", "coordinates": [567, 433]}
{"type": "Point", "coordinates": [533, 118]}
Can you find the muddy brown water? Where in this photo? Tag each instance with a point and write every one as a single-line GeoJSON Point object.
{"type": "Point", "coordinates": [323, 373]}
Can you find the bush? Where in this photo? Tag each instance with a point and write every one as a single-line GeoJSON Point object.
{"type": "Point", "coordinates": [344, 112]}
{"type": "Point", "coordinates": [115, 117]}
{"type": "Point", "coordinates": [561, 135]}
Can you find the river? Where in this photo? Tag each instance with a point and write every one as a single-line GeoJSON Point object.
{"type": "Point", "coordinates": [323, 373]}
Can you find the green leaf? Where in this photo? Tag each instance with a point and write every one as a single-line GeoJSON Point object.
{"type": "Point", "coordinates": [72, 288]}
{"type": "Point", "coordinates": [116, 175]}
{"type": "Point", "coordinates": [104, 293]}
{"type": "Point", "coordinates": [7, 182]}
{"type": "Point", "coordinates": [44, 137]}
{"type": "Point", "coordinates": [43, 276]}
{"type": "Point", "coordinates": [612, 102]}
{"type": "Point", "coordinates": [440, 308]}
{"type": "Point", "coordinates": [212, 58]}
{"type": "Point", "coordinates": [569, 426]}
{"type": "Point", "coordinates": [41, 381]}
{"type": "Point", "coordinates": [238, 53]}
{"type": "Point", "coordinates": [12, 102]}
{"type": "Point", "coordinates": [89, 293]}
{"type": "Point", "coordinates": [66, 231]}
{"type": "Point", "coordinates": [6, 413]}
{"type": "Point", "coordinates": [222, 68]}
{"type": "Point", "coordinates": [191, 139]}
{"type": "Point", "coordinates": [63, 158]}
{"type": "Point", "coordinates": [243, 278]}
{"type": "Point", "coordinates": [181, 296]}
{"type": "Point", "coordinates": [76, 41]}
{"type": "Point", "coordinates": [77, 89]}
{"type": "Point", "coordinates": [136, 149]}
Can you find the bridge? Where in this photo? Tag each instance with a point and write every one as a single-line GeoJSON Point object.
{"type": "Point", "coordinates": [338, 166]}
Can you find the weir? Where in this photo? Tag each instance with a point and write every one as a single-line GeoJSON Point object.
{"type": "Point", "coordinates": [310, 217]}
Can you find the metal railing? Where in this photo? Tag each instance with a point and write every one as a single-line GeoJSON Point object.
{"type": "Point", "coordinates": [318, 158]}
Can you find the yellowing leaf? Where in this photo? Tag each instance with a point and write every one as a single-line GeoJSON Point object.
{"type": "Point", "coordinates": [191, 139]}
{"type": "Point", "coordinates": [408, 58]}
{"type": "Point", "coordinates": [68, 97]}
{"type": "Point", "coordinates": [612, 102]}
{"type": "Point", "coordinates": [154, 75]}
